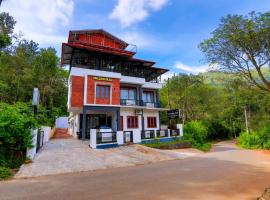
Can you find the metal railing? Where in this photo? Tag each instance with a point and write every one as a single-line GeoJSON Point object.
{"type": "Point", "coordinates": [130, 102]}
{"type": "Point", "coordinates": [163, 133]}
{"type": "Point", "coordinates": [152, 104]}
{"type": "Point", "coordinates": [174, 132]}
{"type": "Point", "coordinates": [148, 134]}
{"type": "Point", "coordinates": [106, 137]}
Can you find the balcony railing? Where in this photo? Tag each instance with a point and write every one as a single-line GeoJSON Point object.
{"type": "Point", "coordinates": [152, 104]}
{"type": "Point", "coordinates": [148, 134]}
{"type": "Point", "coordinates": [133, 102]}
{"type": "Point", "coordinates": [106, 137]}
{"type": "Point", "coordinates": [130, 102]}
{"type": "Point", "coordinates": [162, 133]}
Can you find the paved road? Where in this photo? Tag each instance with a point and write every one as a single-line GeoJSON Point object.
{"type": "Point", "coordinates": [225, 173]}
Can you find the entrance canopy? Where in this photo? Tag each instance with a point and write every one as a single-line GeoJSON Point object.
{"type": "Point", "coordinates": [115, 118]}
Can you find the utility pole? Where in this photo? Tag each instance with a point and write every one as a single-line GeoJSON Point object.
{"type": "Point", "coordinates": [246, 118]}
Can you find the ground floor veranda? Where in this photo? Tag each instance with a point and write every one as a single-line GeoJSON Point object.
{"type": "Point", "coordinates": [112, 126]}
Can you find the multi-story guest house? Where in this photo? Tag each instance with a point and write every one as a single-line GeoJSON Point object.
{"type": "Point", "coordinates": [113, 97]}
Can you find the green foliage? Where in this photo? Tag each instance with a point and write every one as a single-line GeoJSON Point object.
{"type": "Point", "coordinates": [5, 173]}
{"type": "Point", "coordinates": [162, 145]}
{"type": "Point", "coordinates": [217, 130]}
{"type": "Point", "coordinates": [240, 44]}
{"type": "Point", "coordinates": [6, 29]}
{"type": "Point", "coordinates": [16, 122]}
{"type": "Point", "coordinates": [256, 140]}
{"type": "Point", "coordinates": [249, 141]}
{"type": "Point", "coordinates": [197, 133]}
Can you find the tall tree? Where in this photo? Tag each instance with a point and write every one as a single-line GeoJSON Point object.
{"type": "Point", "coordinates": [241, 44]}
{"type": "Point", "coordinates": [6, 29]}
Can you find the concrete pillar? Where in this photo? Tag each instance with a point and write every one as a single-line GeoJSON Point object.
{"type": "Point", "coordinates": [120, 137]}
{"type": "Point", "coordinates": [93, 138]}
{"type": "Point", "coordinates": [84, 124]}
{"type": "Point", "coordinates": [180, 128]}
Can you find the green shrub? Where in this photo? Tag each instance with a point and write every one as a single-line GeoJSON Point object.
{"type": "Point", "coordinates": [197, 133]}
{"type": "Point", "coordinates": [217, 130]}
{"type": "Point", "coordinates": [249, 140]}
{"type": "Point", "coordinates": [256, 140]}
{"type": "Point", "coordinates": [5, 173]}
{"type": "Point", "coordinates": [16, 123]}
{"type": "Point", "coordinates": [195, 130]}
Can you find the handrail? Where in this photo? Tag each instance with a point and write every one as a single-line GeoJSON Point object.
{"type": "Point", "coordinates": [106, 137]}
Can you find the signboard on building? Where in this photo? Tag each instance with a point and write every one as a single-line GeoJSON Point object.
{"type": "Point", "coordinates": [173, 114]}
{"type": "Point", "coordinates": [101, 78]}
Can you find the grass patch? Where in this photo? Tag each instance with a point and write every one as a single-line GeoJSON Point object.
{"type": "Point", "coordinates": [174, 144]}
{"type": "Point", "coordinates": [203, 147]}
{"type": "Point", "coordinates": [5, 173]}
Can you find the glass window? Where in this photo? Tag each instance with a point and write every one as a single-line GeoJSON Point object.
{"type": "Point", "coordinates": [151, 122]}
{"type": "Point", "coordinates": [124, 94]}
{"type": "Point", "coordinates": [128, 93]}
{"type": "Point", "coordinates": [132, 121]}
{"type": "Point", "coordinates": [103, 91]}
{"type": "Point", "coordinates": [148, 96]}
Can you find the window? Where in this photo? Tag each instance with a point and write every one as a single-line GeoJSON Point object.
{"type": "Point", "coordinates": [151, 122]}
{"type": "Point", "coordinates": [103, 91]}
{"type": "Point", "coordinates": [132, 121]}
{"type": "Point", "coordinates": [128, 93]}
{"type": "Point", "coordinates": [148, 96]}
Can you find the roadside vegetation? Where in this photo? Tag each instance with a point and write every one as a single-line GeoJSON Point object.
{"type": "Point", "coordinates": [233, 98]}
{"type": "Point", "coordinates": [25, 66]}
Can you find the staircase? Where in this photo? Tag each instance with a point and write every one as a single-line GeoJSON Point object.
{"type": "Point", "coordinates": [61, 133]}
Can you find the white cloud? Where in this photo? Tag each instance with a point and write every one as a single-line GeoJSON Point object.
{"type": "Point", "coordinates": [129, 12]}
{"type": "Point", "coordinates": [192, 69]}
{"type": "Point", "coordinates": [40, 20]}
{"type": "Point", "coordinates": [166, 76]}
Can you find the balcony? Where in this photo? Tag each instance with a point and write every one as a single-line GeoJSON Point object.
{"type": "Point", "coordinates": [130, 102]}
{"type": "Point", "coordinates": [152, 104]}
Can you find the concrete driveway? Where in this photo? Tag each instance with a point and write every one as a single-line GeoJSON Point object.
{"type": "Point", "coordinates": [71, 155]}
{"type": "Point", "coordinates": [226, 173]}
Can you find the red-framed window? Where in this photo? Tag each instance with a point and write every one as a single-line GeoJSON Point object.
{"type": "Point", "coordinates": [132, 121]}
{"type": "Point", "coordinates": [103, 91]}
{"type": "Point", "coordinates": [121, 123]}
{"type": "Point", "coordinates": [151, 122]}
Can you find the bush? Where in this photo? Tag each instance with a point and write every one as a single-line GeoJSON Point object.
{"type": "Point", "coordinates": [197, 133]}
{"type": "Point", "coordinates": [256, 140]}
{"type": "Point", "coordinates": [249, 140]}
{"type": "Point", "coordinates": [5, 173]}
{"type": "Point", "coordinates": [217, 130]}
{"type": "Point", "coordinates": [16, 123]}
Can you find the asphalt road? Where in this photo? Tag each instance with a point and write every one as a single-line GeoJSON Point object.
{"type": "Point", "coordinates": [225, 173]}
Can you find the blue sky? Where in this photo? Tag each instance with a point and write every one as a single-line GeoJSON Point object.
{"type": "Point", "coordinates": [165, 31]}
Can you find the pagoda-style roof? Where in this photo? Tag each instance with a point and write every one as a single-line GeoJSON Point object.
{"type": "Point", "coordinates": [98, 49]}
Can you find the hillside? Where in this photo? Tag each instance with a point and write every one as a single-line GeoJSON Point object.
{"type": "Point", "coordinates": [217, 78]}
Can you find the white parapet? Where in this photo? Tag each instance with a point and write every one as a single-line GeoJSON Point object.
{"type": "Point", "coordinates": [93, 138]}
{"type": "Point", "coordinates": [136, 136]}
{"type": "Point", "coordinates": [180, 128]}
{"type": "Point", "coordinates": [120, 137]}
{"type": "Point", "coordinates": [32, 152]}
{"type": "Point", "coordinates": [47, 131]}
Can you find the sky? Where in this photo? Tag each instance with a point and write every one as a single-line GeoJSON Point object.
{"type": "Point", "coordinates": [165, 31]}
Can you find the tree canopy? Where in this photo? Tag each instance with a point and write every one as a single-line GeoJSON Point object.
{"type": "Point", "coordinates": [241, 44]}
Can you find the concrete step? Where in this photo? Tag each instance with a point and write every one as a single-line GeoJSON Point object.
{"type": "Point", "coordinates": [61, 133]}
